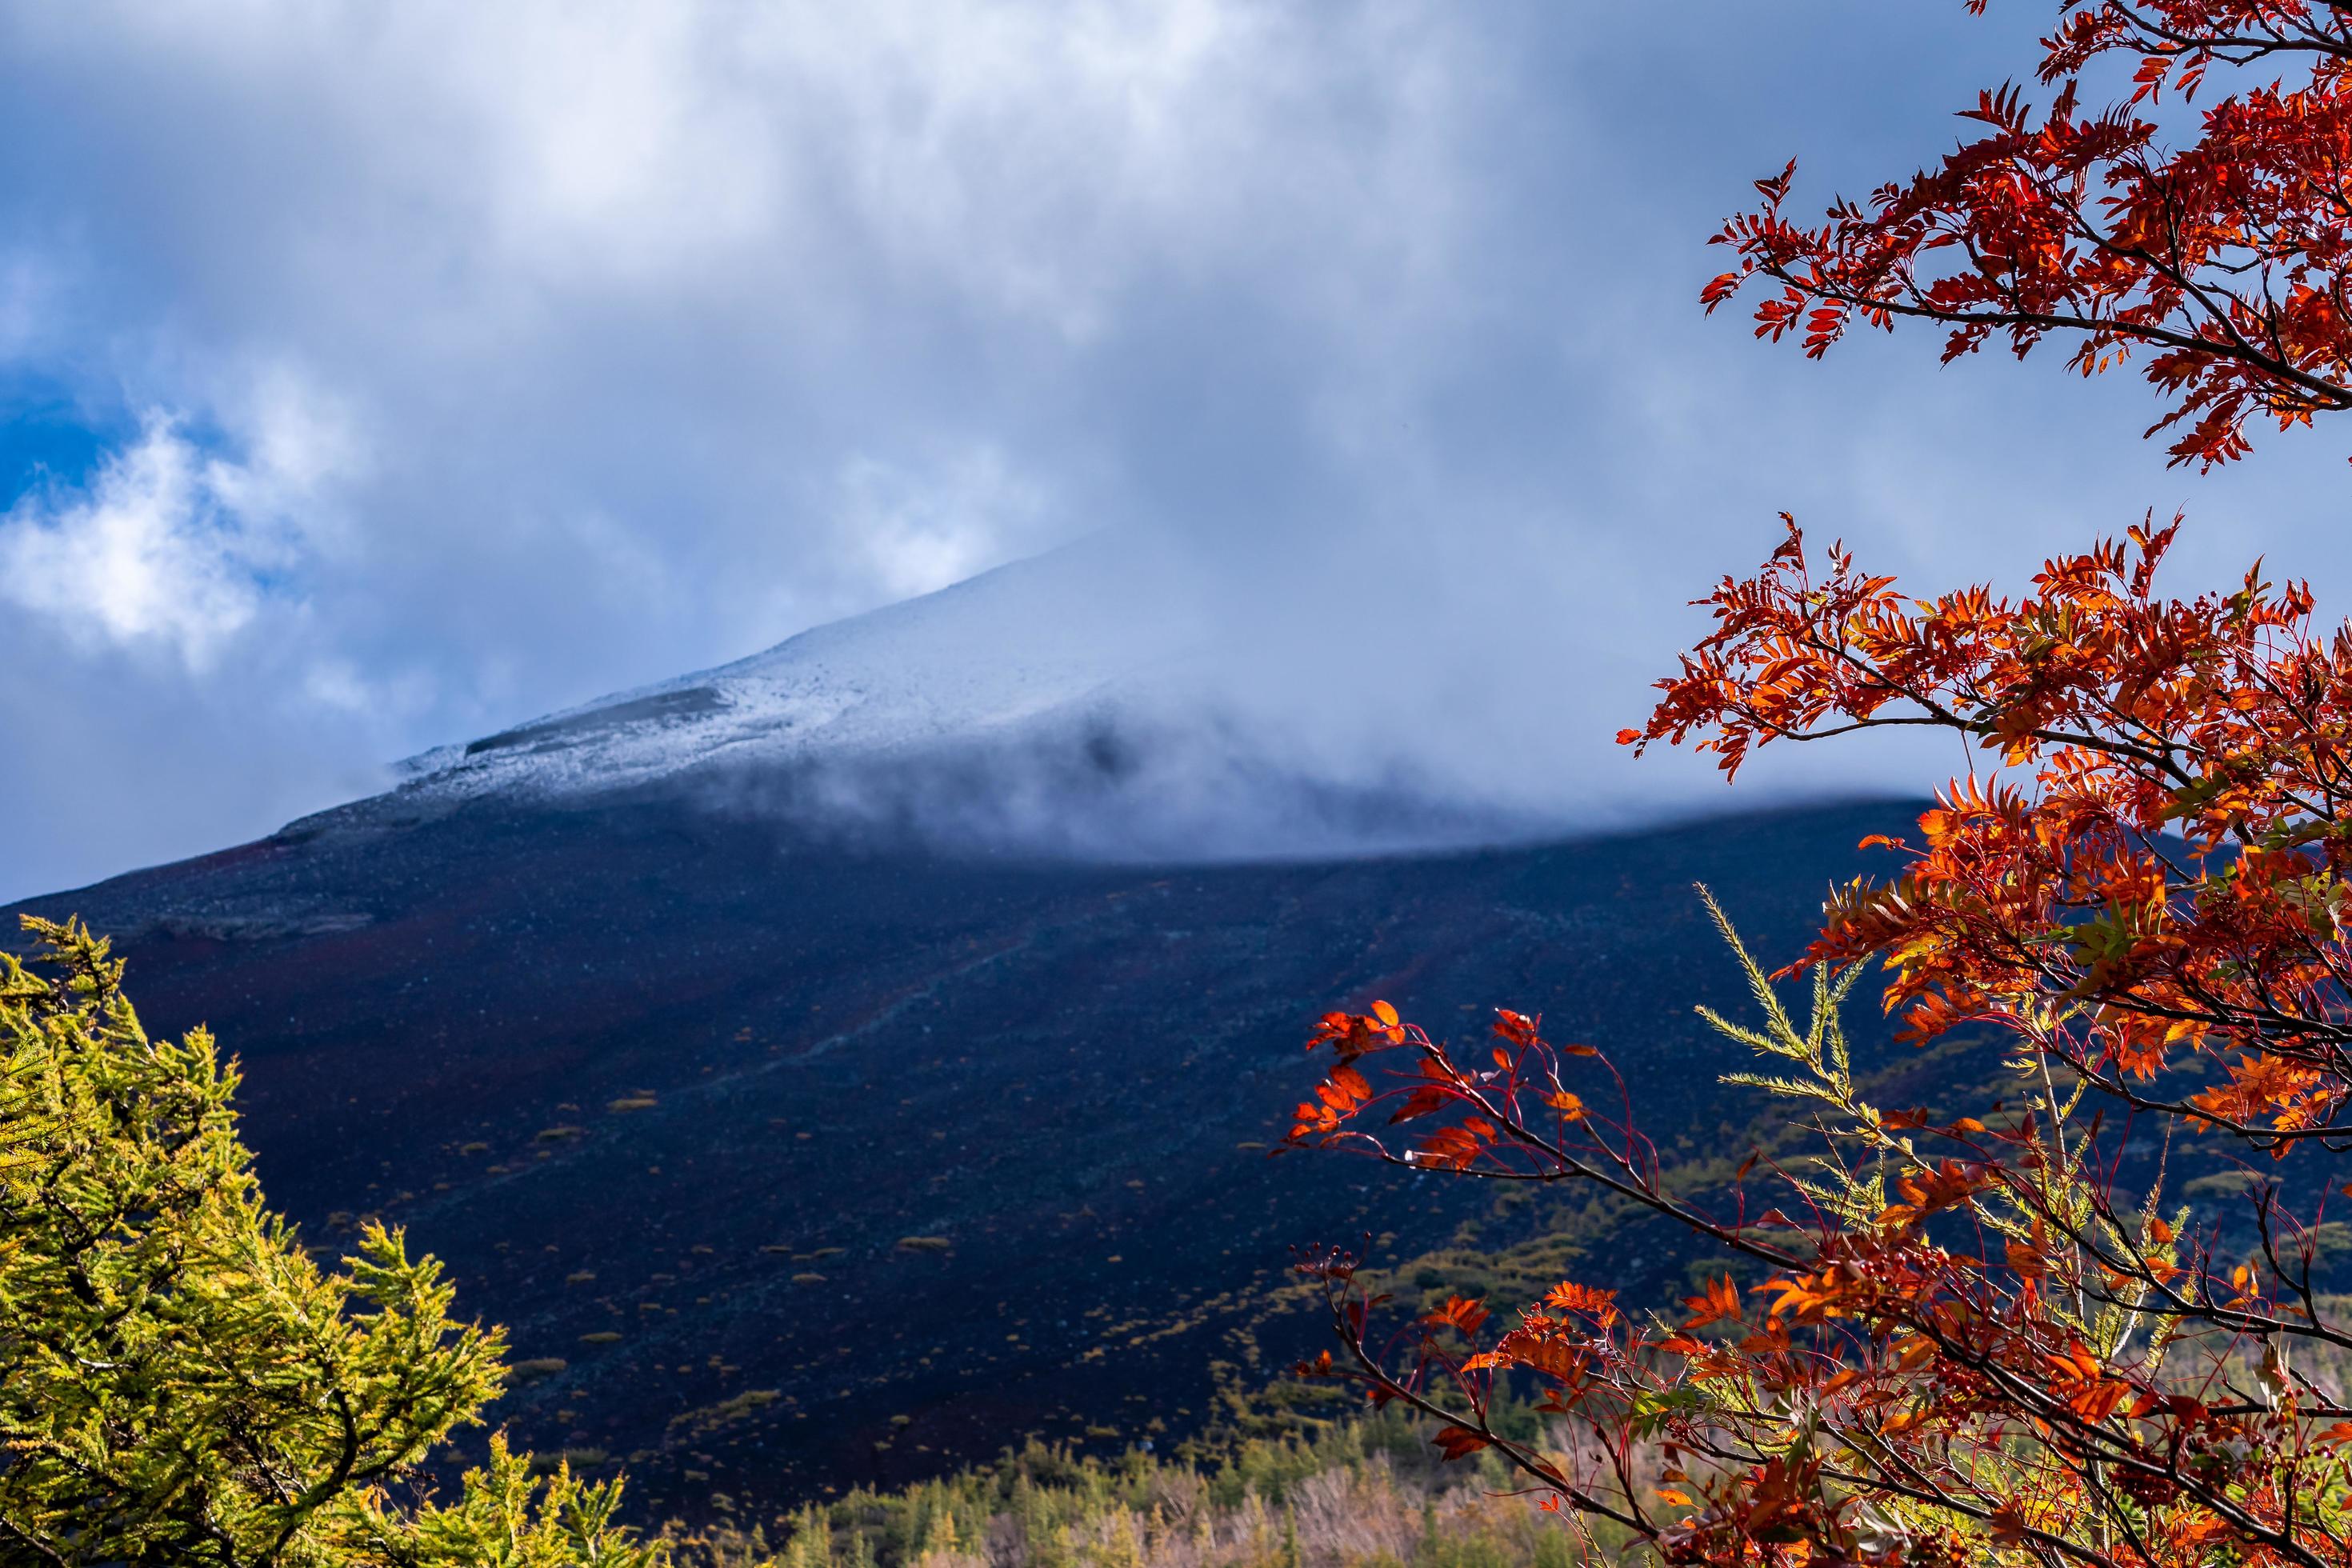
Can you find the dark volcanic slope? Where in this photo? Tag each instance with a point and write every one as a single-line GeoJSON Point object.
{"type": "Point", "coordinates": [667, 1089]}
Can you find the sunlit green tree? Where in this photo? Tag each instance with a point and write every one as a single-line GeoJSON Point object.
{"type": "Point", "coordinates": [181, 1382]}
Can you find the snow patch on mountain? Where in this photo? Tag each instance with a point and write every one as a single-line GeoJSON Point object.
{"type": "Point", "coordinates": [1084, 629]}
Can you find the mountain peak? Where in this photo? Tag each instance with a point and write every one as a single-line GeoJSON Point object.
{"type": "Point", "coordinates": [1007, 648]}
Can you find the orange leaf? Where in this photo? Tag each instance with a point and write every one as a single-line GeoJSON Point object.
{"type": "Point", "coordinates": [1421, 1103]}
{"type": "Point", "coordinates": [1460, 1442]}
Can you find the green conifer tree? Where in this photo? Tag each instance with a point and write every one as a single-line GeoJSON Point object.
{"type": "Point", "coordinates": [939, 1534]}
{"type": "Point", "coordinates": [811, 1544]}
{"type": "Point", "coordinates": [179, 1381]}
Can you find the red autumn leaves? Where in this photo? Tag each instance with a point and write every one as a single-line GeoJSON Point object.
{"type": "Point", "coordinates": [2146, 879]}
{"type": "Point", "coordinates": [1969, 1338]}
{"type": "Point", "coordinates": [2218, 264]}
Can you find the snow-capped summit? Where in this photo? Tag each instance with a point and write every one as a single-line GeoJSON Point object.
{"type": "Point", "coordinates": [1076, 703]}
{"type": "Point", "coordinates": [985, 657]}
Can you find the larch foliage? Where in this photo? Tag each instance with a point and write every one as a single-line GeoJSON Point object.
{"type": "Point", "coordinates": [181, 1381]}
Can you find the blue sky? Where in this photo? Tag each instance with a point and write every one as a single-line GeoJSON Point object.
{"type": "Point", "coordinates": [375, 378]}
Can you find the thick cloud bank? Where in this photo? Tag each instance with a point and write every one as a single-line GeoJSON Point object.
{"type": "Point", "coordinates": [382, 378]}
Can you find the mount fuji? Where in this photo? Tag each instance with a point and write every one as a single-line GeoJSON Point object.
{"type": "Point", "coordinates": [841, 1064]}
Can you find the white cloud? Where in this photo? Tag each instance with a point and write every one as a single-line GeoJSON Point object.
{"type": "Point", "coordinates": [170, 546]}
{"type": "Point", "coordinates": [149, 554]}
{"type": "Point", "coordinates": [522, 353]}
{"type": "Point", "coordinates": [922, 530]}
{"type": "Point", "coordinates": [675, 269]}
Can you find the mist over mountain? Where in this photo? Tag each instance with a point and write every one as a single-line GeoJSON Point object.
{"type": "Point", "coordinates": [1078, 704]}
{"type": "Point", "coordinates": [1098, 702]}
